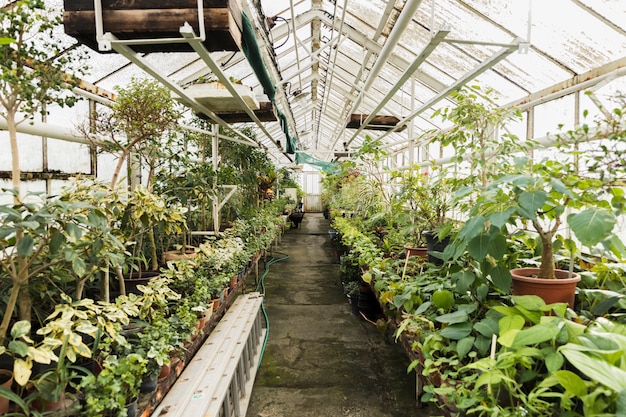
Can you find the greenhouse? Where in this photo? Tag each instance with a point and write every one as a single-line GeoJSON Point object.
{"type": "Point", "coordinates": [315, 208]}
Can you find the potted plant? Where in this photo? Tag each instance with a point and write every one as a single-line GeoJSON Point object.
{"type": "Point", "coordinates": [116, 388]}
{"type": "Point", "coordinates": [580, 192]}
{"type": "Point", "coordinates": [423, 200]}
{"type": "Point", "coordinates": [62, 245]}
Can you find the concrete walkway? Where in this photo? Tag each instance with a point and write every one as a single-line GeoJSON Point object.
{"type": "Point", "coordinates": [320, 359]}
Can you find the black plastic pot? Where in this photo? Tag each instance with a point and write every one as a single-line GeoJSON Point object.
{"type": "Point", "coordinates": [435, 247]}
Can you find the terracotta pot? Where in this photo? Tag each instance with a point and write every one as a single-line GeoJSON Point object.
{"type": "Point", "coordinates": [6, 380]}
{"type": "Point", "coordinates": [166, 370]}
{"type": "Point", "coordinates": [559, 290]}
{"type": "Point", "coordinates": [421, 252]}
{"type": "Point", "coordinates": [46, 405]}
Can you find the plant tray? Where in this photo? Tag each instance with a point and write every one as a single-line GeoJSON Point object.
{"type": "Point", "coordinates": [153, 19]}
{"type": "Point", "coordinates": [265, 113]}
{"type": "Point", "coordinates": [379, 122]}
{"type": "Point", "coordinates": [217, 98]}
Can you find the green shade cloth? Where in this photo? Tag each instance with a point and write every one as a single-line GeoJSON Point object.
{"type": "Point", "coordinates": [329, 167]}
{"type": "Point", "coordinates": [251, 50]}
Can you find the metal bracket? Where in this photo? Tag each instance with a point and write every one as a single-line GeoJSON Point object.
{"type": "Point", "coordinates": [106, 39]}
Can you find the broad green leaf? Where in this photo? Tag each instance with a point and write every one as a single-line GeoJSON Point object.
{"type": "Point", "coordinates": [571, 382]}
{"type": "Point", "coordinates": [482, 344]}
{"type": "Point", "coordinates": [538, 333]}
{"type": "Point", "coordinates": [498, 247]}
{"type": "Point", "coordinates": [532, 201]}
{"type": "Point", "coordinates": [610, 376]}
{"type": "Point", "coordinates": [501, 277]}
{"type": "Point", "coordinates": [558, 186]}
{"type": "Point", "coordinates": [97, 245]}
{"type": "Point", "coordinates": [507, 338]}
{"type": "Point", "coordinates": [554, 361]}
{"type": "Point", "coordinates": [592, 225]}
{"type": "Point", "coordinates": [25, 246]}
{"type": "Point", "coordinates": [487, 327]}
{"type": "Point", "coordinates": [507, 323]}
{"type": "Point", "coordinates": [423, 307]}
{"type": "Point", "coordinates": [464, 346]}
{"type": "Point", "coordinates": [22, 370]}
{"type": "Point", "coordinates": [456, 331]}
{"type": "Point", "coordinates": [55, 242]}
{"type": "Point", "coordinates": [18, 347]}
{"type": "Point", "coordinates": [478, 247]}
{"type": "Point", "coordinates": [472, 228]}
{"type": "Point", "coordinates": [529, 302]}
{"type": "Point", "coordinates": [463, 280]}
{"type": "Point", "coordinates": [21, 328]}
{"type": "Point", "coordinates": [489, 378]}
{"type": "Point", "coordinates": [501, 218]}
{"type": "Point", "coordinates": [454, 317]}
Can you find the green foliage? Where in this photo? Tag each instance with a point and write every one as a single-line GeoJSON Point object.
{"type": "Point", "coordinates": [532, 369]}
{"type": "Point", "coordinates": [544, 194]}
{"type": "Point", "coordinates": [64, 243]}
{"type": "Point", "coordinates": [137, 122]}
{"type": "Point", "coordinates": [116, 385]}
{"type": "Point", "coordinates": [32, 69]}
{"type": "Point", "coordinates": [474, 135]}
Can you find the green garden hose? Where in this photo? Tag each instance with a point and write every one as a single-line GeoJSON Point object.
{"type": "Point", "coordinates": [261, 285]}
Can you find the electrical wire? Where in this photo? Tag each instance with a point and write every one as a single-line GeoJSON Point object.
{"type": "Point", "coordinates": [261, 285]}
{"type": "Point", "coordinates": [277, 18]}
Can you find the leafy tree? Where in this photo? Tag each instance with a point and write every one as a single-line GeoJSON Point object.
{"type": "Point", "coordinates": [142, 114]}
{"type": "Point", "coordinates": [32, 76]}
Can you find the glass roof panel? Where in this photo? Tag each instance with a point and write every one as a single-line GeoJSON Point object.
{"type": "Point", "coordinates": [586, 34]}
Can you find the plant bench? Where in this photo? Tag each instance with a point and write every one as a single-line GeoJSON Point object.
{"type": "Point", "coordinates": [219, 379]}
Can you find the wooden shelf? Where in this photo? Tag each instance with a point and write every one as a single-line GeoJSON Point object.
{"type": "Point", "coordinates": [153, 19]}
{"type": "Point", "coordinates": [265, 113]}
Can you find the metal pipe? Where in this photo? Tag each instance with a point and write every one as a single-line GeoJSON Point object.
{"type": "Point", "coordinates": [434, 42]}
{"type": "Point", "coordinates": [48, 130]}
{"type": "Point", "coordinates": [402, 23]}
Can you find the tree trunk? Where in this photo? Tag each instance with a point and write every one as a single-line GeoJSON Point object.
{"type": "Point", "coordinates": [118, 168]}
{"type": "Point", "coordinates": [23, 299]}
{"type": "Point", "coordinates": [153, 250]}
{"type": "Point", "coordinates": [546, 269]}
{"type": "Point", "coordinates": [16, 171]}
{"type": "Point", "coordinates": [8, 312]}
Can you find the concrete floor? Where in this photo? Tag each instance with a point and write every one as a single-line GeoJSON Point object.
{"type": "Point", "coordinates": [320, 359]}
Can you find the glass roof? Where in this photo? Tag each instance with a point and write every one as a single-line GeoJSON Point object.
{"type": "Point", "coordinates": [332, 58]}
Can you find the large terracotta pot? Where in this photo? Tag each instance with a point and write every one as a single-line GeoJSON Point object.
{"type": "Point", "coordinates": [559, 290]}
